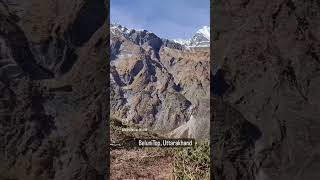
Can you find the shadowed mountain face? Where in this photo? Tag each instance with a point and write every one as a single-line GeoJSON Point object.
{"type": "Point", "coordinates": [266, 69]}
{"type": "Point", "coordinates": [159, 84]}
{"type": "Point", "coordinates": [53, 86]}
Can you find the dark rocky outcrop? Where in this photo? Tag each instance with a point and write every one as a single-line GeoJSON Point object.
{"type": "Point", "coordinates": [53, 89]}
{"type": "Point", "coordinates": [269, 52]}
{"type": "Point", "coordinates": [172, 44]}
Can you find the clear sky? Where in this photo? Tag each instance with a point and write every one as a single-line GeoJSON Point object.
{"type": "Point", "coordinates": [170, 19]}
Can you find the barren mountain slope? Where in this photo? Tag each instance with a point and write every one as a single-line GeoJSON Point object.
{"type": "Point", "coordinates": [159, 84]}
{"type": "Point", "coordinates": [266, 68]}
{"type": "Point", "coordinates": [53, 102]}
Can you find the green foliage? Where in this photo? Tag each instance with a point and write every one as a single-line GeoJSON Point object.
{"type": "Point", "coordinates": [193, 163]}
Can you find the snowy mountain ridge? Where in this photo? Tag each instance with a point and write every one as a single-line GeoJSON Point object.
{"type": "Point", "coordinates": [200, 39]}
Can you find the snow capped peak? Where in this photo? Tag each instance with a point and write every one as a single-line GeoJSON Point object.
{"type": "Point", "coordinates": [185, 42]}
{"type": "Point", "coordinates": [117, 27]}
{"type": "Point", "coordinates": [205, 31]}
{"type": "Point", "coordinates": [200, 39]}
{"type": "Point", "coordinates": [124, 30]}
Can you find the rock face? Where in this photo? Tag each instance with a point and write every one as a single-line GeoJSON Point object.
{"type": "Point", "coordinates": [159, 84]}
{"type": "Point", "coordinates": [266, 73]}
{"type": "Point", "coordinates": [53, 100]}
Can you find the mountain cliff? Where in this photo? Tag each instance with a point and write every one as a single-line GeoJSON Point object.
{"type": "Point", "coordinates": [159, 84]}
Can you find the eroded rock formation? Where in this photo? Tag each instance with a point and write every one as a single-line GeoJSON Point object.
{"type": "Point", "coordinates": [159, 84]}
{"type": "Point", "coordinates": [266, 85]}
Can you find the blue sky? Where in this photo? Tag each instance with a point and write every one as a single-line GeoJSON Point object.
{"type": "Point", "coordinates": [166, 18]}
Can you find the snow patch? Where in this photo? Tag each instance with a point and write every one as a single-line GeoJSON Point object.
{"type": "Point", "coordinates": [205, 31]}
{"type": "Point", "coordinates": [185, 42]}
{"type": "Point", "coordinates": [189, 43]}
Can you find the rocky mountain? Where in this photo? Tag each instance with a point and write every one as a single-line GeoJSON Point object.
{"type": "Point", "coordinates": [200, 39]}
{"type": "Point", "coordinates": [266, 81]}
{"type": "Point", "coordinates": [53, 89]}
{"type": "Point", "coordinates": [159, 84]}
